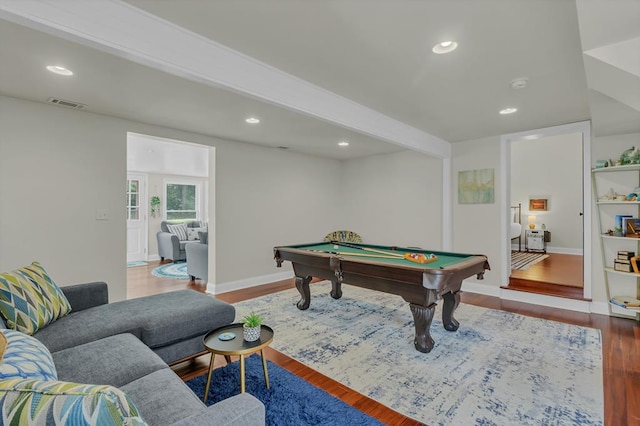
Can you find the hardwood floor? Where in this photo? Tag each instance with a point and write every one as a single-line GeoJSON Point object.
{"type": "Point", "coordinates": [620, 348]}
{"type": "Point", "coordinates": [557, 275]}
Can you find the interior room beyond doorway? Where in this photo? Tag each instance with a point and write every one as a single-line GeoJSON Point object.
{"type": "Point", "coordinates": [547, 201]}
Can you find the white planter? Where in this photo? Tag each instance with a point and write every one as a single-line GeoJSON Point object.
{"type": "Point", "coordinates": [251, 334]}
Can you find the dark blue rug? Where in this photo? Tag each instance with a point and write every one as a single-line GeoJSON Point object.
{"type": "Point", "coordinates": [290, 400]}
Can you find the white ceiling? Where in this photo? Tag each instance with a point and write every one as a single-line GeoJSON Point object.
{"type": "Point", "coordinates": [376, 53]}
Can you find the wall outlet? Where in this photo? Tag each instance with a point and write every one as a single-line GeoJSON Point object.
{"type": "Point", "coordinates": [102, 214]}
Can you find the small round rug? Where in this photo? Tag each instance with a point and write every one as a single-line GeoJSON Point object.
{"type": "Point", "coordinates": [177, 271]}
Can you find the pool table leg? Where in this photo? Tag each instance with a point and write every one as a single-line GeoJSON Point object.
{"type": "Point", "coordinates": [422, 318]}
{"type": "Point", "coordinates": [336, 289]}
{"type": "Point", "coordinates": [302, 284]}
{"type": "Point", "coordinates": [451, 302]}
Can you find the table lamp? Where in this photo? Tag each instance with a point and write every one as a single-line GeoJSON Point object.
{"type": "Point", "coordinates": [532, 221]}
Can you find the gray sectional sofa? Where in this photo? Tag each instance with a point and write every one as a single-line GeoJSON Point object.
{"type": "Point", "coordinates": [129, 345]}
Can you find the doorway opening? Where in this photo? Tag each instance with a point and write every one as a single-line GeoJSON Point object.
{"type": "Point", "coordinates": [169, 183]}
{"type": "Point", "coordinates": [547, 189]}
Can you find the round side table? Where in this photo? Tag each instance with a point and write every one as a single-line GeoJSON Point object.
{"type": "Point", "coordinates": [236, 346]}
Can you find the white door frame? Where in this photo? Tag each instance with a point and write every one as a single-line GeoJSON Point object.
{"type": "Point", "coordinates": [143, 178]}
{"type": "Point", "coordinates": [583, 127]}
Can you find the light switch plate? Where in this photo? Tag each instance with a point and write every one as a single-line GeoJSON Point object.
{"type": "Point", "coordinates": [102, 214]}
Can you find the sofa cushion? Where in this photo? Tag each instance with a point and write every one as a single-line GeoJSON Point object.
{"type": "Point", "coordinates": [191, 314]}
{"type": "Point", "coordinates": [30, 299]}
{"type": "Point", "coordinates": [151, 393]}
{"type": "Point", "coordinates": [179, 229]}
{"type": "Point", "coordinates": [204, 237]}
{"type": "Point", "coordinates": [115, 361]}
{"type": "Point", "coordinates": [24, 357]}
{"type": "Point", "coordinates": [193, 233]}
{"type": "Point", "coordinates": [36, 402]}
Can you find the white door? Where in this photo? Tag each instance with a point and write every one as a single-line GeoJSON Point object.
{"type": "Point", "coordinates": [136, 217]}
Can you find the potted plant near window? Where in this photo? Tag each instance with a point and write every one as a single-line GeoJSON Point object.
{"type": "Point", "coordinates": [155, 203]}
{"type": "Point", "coordinates": [251, 325]}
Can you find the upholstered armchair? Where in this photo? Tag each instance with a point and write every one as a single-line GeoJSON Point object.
{"type": "Point", "coordinates": [172, 242]}
{"type": "Point", "coordinates": [198, 258]}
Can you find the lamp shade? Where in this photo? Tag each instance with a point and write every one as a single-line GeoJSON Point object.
{"type": "Point", "coordinates": [532, 221]}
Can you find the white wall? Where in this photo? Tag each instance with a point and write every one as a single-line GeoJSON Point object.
{"type": "Point", "coordinates": [551, 168]}
{"type": "Point", "coordinates": [157, 155]}
{"type": "Point", "coordinates": [393, 199]}
{"type": "Point", "coordinates": [57, 166]}
{"type": "Point", "coordinates": [477, 227]}
{"type": "Point", "coordinates": [267, 197]}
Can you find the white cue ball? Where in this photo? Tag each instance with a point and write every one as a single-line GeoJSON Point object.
{"type": "Point", "coordinates": [336, 247]}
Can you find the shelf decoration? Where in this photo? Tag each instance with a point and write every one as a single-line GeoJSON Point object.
{"type": "Point", "coordinates": [630, 156]}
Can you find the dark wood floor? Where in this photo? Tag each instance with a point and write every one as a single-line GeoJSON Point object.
{"type": "Point", "coordinates": [620, 346]}
{"type": "Point", "coordinates": [557, 275]}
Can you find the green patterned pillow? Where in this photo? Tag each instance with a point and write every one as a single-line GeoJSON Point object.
{"type": "Point", "coordinates": [29, 299]}
{"type": "Point", "coordinates": [24, 357]}
{"type": "Point", "coordinates": [35, 402]}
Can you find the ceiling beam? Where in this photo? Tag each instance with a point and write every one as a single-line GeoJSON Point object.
{"type": "Point", "coordinates": [126, 31]}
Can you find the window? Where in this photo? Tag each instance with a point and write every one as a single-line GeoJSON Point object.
{"type": "Point", "coordinates": [133, 199]}
{"type": "Point", "coordinates": [182, 201]}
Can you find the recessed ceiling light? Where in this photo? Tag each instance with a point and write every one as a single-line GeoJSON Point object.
{"type": "Point", "coordinates": [445, 47]}
{"type": "Point", "coordinates": [519, 83]}
{"type": "Point", "coordinates": [508, 111]}
{"type": "Point", "coordinates": [532, 137]}
{"type": "Point", "coordinates": [252, 120]}
{"type": "Point", "coordinates": [56, 69]}
{"type": "Point", "coordinates": [343, 143]}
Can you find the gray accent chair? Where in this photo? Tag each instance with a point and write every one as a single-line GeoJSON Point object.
{"type": "Point", "coordinates": [198, 258]}
{"type": "Point", "coordinates": [169, 245]}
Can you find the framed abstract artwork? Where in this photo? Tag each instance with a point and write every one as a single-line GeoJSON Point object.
{"type": "Point", "coordinates": [538, 204]}
{"type": "Point", "coordinates": [476, 186]}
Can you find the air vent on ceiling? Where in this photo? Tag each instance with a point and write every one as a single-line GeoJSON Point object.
{"type": "Point", "coordinates": [64, 103]}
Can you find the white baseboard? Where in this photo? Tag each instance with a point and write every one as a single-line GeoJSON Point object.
{"type": "Point", "coordinates": [153, 257]}
{"type": "Point", "coordinates": [248, 282]}
{"type": "Point", "coordinates": [551, 249]}
{"type": "Point", "coordinates": [564, 250]}
{"type": "Point", "coordinates": [544, 300]}
{"type": "Point", "coordinates": [601, 308]}
{"type": "Point", "coordinates": [485, 289]}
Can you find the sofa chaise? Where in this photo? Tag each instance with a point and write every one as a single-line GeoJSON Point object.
{"type": "Point", "coordinates": [108, 362]}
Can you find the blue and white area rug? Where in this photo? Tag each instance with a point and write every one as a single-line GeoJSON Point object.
{"type": "Point", "coordinates": [176, 271]}
{"type": "Point", "coordinates": [289, 400]}
{"type": "Point", "coordinates": [136, 263]}
{"type": "Point", "coordinates": [499, 368]}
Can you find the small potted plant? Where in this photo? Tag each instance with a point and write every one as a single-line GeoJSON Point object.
{"type": "Point", "coordinates": [251, 325]}
{"type": "Point", "coordinates": [155, 203]}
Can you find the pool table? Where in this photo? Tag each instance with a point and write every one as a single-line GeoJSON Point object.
{"type": "Point", "coordinates": [383, 268]}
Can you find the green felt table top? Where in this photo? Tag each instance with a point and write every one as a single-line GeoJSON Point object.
{"type": "Point", "coordinates": [444, 258]}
